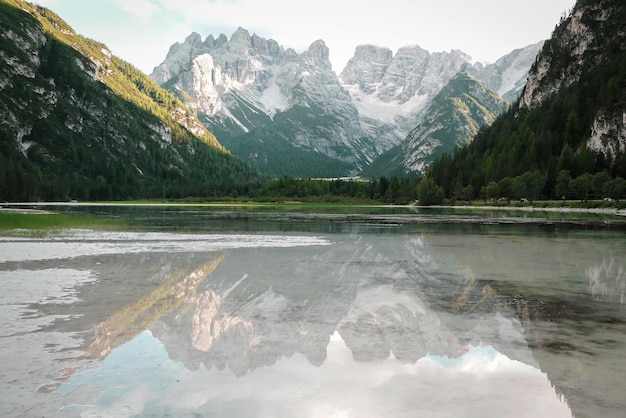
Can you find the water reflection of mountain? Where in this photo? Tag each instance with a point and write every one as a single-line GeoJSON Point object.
{"type": "Point", "coordinates": [170, 283]}
{"type": "Point", "coordinates": [568, 295]}
{"type": "Point", "coordinates": [178, 290]}
{"type": "Point", "coordinates": [424, 295]}
{"type": "Point", "coordinates": [258, 308]}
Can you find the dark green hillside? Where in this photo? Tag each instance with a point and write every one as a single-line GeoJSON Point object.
{"type": "Point", "coordinates": [269, 150]}
{"type": "Point", "coordinates": [550, 136]}
{"type": "Point", "coordinates": [78, 123]}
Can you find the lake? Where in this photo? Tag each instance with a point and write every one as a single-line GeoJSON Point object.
{"type": "Point", "coordinates": [215, 311]}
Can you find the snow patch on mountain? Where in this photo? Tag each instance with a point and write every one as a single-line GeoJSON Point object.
{"type": "Point", "coordinates": [371, 106]}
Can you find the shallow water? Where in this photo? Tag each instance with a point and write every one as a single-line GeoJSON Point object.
{"type": "Point", "coordinates": [218, 313]}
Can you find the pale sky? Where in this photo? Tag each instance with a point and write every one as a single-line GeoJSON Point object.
{"type": "Point", "coordinates": [142, 31]}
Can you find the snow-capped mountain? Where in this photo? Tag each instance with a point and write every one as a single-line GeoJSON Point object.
{"type": "Point", "coordinates": [289, 114]}
{"type": "Point", "coordinates": [393, 92]}
{"type": "Point", "coordinates": [273, 107]}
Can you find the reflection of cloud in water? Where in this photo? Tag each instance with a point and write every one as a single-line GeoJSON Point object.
{"type": "Point", "coordinates": [566, 293]}
{"type": "Point", "coordinates": [342, 386]}
{"type": "Point", "coordinates": [377, 304]}
{"type": "Point", "coordinates": [124, 324]}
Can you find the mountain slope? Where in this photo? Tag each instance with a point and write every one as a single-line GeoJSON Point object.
{"type": "Point", "coordinates": [77, 122]}
{"type": "Point", "coordinates": [591, 40]}
{"type": "Point", "coordinates": [507, 76]}
{"type": "Point", "coordinates": [570, 120]}
{"type": "Point", "coordinates": [456, 114]}
{"type": "Point", "coordinates": [270, 106]}
{"type": "Point", "coordinates": [394, 92]}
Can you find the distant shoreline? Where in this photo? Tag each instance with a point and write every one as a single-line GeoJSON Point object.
{"type": "Point", "coordinates": [609, 211]}
{"type": "Point", "coordinates": [19, 206]}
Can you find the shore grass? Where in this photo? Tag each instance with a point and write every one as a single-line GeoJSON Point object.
{"type": "Point", "coordinates": [43, 220]}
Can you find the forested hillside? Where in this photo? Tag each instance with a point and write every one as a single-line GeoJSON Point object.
{"type": "Point", "coordinates": [79, 123]}
{"type": "Point", "coordinates": [565, 137]}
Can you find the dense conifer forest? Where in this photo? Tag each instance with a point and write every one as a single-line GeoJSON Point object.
{"type": "Point", "coordinates": [542, 152]}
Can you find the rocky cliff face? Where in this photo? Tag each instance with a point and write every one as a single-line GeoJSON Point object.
{"type": "Point", "coordinates": [592, 35]}
{"type": "Point", "coordinates": [577, 42]}
{"type": "Point", "coordinates": [210, 70]}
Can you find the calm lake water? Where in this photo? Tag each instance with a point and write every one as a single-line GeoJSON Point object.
{"type": "Point", "coordinates": [218, 313]}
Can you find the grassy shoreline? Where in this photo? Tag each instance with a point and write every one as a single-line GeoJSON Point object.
{"type": "Point", "coordinates": [552, 205]}
{"type": "Point", "coordinates": [32, 219]}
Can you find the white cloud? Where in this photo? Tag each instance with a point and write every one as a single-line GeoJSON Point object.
{"type": "Point", "coordinates": [143, 9]}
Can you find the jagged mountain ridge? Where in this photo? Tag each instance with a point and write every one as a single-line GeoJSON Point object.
{"type": "Point", "coordinates": [456, 114]}
{"type": "Point", "coordinates": [77, 122]}
{"type": "Point", "coordinates": [507, 76]}
{"type": "Point", "coordinates": [246, 85]}
{"type": "Point", "coordinates": [391, 91]}
{"type": "Point", "coordinates": [289, 114]}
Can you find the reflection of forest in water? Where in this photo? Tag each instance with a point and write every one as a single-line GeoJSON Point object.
{"type": "Point", "coordinates": [172, 284]}
{"type": "Point", "coordinates": [556, 304]}
{"type": "Point", "coordinates": [568, 293]}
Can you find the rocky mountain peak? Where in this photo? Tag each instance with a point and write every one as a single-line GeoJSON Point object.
{"type": "Point", "coordinates": [193, 39]}
{"type": "Point", "coordinates": [213, 43]}
{"type": "Point", "coordinates": [367, 67]}
{"type": "Point", "coordinates": [266, 47]}
{"type": "Point", "coordinates": [248, 83]}
{"type": "Point", "coordinates": [319, 51]}
{"type": "Point", "coordinates": [241, 35]}
{"type": "Point", "coordinates": [177, 56]}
